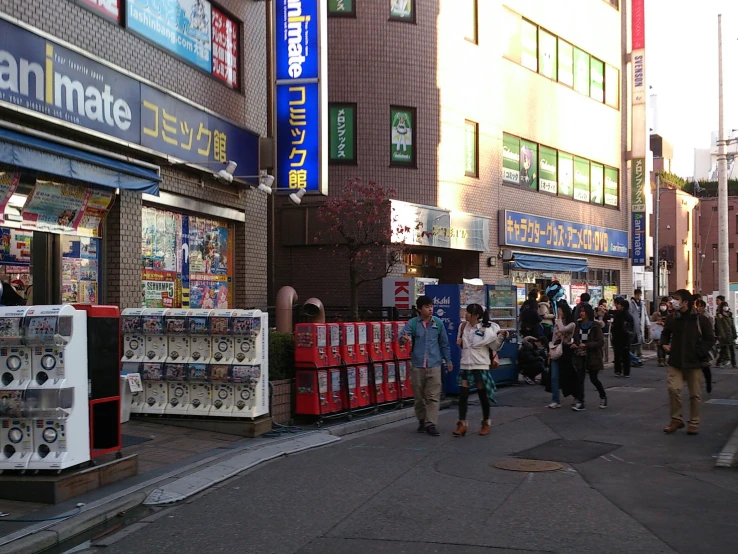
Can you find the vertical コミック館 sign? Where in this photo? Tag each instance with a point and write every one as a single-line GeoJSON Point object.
{"type": "Point", "coordinates": [300, 71]}
{"type": "Point", "coordinates": [639, 145]}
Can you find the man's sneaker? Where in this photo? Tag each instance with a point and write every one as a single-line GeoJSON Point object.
{"type": "Point", "coordinates": [529, 381]}
{"type": "Point", "coordinates": [432, 431]}
{"type": "Point", "coordinates": [578, 407]}
{"type": "Point", "coordinates": [673, 427]}
{"type": "Point", "coordinates": [618, 375]}
{"type": "Point", "coordinates": [554, 405]}
{"type": "Point", "coordinates": [603, 403]}
{"type": "Point", "coordinates": [421, 426]}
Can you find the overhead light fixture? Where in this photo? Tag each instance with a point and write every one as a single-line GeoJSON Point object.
{"type": "Point", "coordinates": [296, 197]}
{"type": "Point", "coordinates": [266, 183]}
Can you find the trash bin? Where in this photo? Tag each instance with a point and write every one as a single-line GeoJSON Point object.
{"type": "Point", "coordinates": [126, 397]}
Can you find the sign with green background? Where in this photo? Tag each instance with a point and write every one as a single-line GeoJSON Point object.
{"type": "Point", "coordinates": [638, 184]}
{"type": "Point", "coordinates": [581, 71]}
{"type": "Point", "coordinates": [597, 80]}
{"type": "Point", "coordinates": [342, 132]}
{"type": "Point", "coordinates": [341, 6]}
{"type": "Point", "coordinates": [529, 40]}
{"type": "Point", "coordinates": [529, 164]}
{"type": "Point", "coordinates": [597, 183]}
{"type": "Point", "coordinates": [548, 170]}
{"type": "Point", "coordinates": [510, 159]}
{"type": "Point", "coordinates": [470, 148]}
{"type": "Point", "coordinates": [611, 187]}
{"type": "Point", "coordinates": [566, 63]}
{"type": "Point", "coordinates": [581, 179]}
{"type": "Point", "coordinates": [402, 9]}
{"type": "Point", "coordinates": [566, 174]}
{"type": "Point", "coordinates": [547, 54]}
{"type": "Point", "coordinates": [402, 150]}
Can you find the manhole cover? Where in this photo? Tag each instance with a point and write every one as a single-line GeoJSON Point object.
{"type": "Point", "coordinates": [568, 452]}
{"type": "Point", "coordinates": [517, 464]}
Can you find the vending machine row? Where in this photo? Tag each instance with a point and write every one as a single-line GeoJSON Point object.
{"type": "Point", "coordinates": [58, 403]}
{"type": "Point", "coordinates": [343, 368]}
{"type": "Point", "coordinates": [197, 362]}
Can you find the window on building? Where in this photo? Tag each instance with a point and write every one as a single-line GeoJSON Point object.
{"type": "Point", "coordinates": [566, 63]}
{"type": "Point", "coordinates": [511, 26]}
{"type": "Point", "coordinates": [403, 136]}
{"type": "Point", "coordinates": [341, 8]}
{"type": "Point", "coordinates": [597, 80]}
{"type": "Point", "coordinates": [471, 20]}
{"type": "Point", "coordinates": [402, 10]}
{"type": "Point", "coordinates": [471, 148]}
{"type": "Point", "coordinates": [689, 220]}
{"type": "Point", "coordinates": [714, 208]}
{"type": "Point", "coordinates": [529, 45]}
{"type": "Point", "coordinates": [612, 87]}
{"type": "Point", "coordinates": [730, 208]}
{"type": "Point", "coordinates": [581, 71]}
{"type": "Point", "coordinates": [342, 133]}
{"type": "Point", "coordinates": [547, 61]}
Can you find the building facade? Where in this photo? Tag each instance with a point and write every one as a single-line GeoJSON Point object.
{"type": "Point", "coordinates": [499, 124]}
{"type": "Point", "coordinates": [115, 117]}
{"type": "Point", "coordinates": [708, 224]}
{"type": "Point", "coordinates": [681, 245]}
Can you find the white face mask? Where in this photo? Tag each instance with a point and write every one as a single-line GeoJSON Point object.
{"type": "Point", "coordinates": [662, 308]}
{"type": "Point", "coordinates": [676, 304]}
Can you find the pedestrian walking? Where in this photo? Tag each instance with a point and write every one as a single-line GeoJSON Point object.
{"type": "Point", "coordinates": [430, 349]}
{"type": "Point", "coordinates": [622, 331]}
{"type": "Point", "coordinates": [477, 336]}
{"type": "Point", "coordinates": [701, 308]}
{"type": "Point", "coordinates": [658, 319]}
{"type": "Point", "coordinates": [726, 334]}
{"type": "Point", "coordinates": [602, 314]}
{"type": "Point", "coordinates": [638, 311]}
{"type": "Point", "coordinates": [563, 376]}
{"type": "Point", "coordinates": [687, 338]}
{"type": "Point", "coordinates": [587, 347]}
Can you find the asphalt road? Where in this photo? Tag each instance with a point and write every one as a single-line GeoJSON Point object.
{"type": "Point", "coordinates": [624, 487]}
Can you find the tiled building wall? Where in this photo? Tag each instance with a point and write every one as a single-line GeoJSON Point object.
{"type": "Point", "coordinates": [66, 21]}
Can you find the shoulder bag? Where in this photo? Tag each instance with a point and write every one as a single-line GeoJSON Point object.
{"type": "Point", "coordinates": [704, 356]}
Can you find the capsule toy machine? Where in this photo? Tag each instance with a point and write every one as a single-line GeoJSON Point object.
{"type": "Point", "coordinates": [362, 392]}
{"type": "Point", "coordinates": [311, 396]}
{"type": "Point", "coordinates": [378, 394]}
{"type": "Point", "coordinates": [388, 336]}
{"type": "Point", "coordinates": [376, 350]}
{"type": "Point", "coordinates": [404, 379]}
{"type": "Point", "coordinates": [362, 343]}
{"type": "Point", "coordinates": [402, 350]}
{"type": "Point", "coordinates": [337, 400]}
{"type": "Point", "coordinates": [155, 393]}
{"type": "Point", "coordinates": [348, 347]}
{"type": "Point", "coordinates": [16, 438]}
{"type": "Point", "coordinates": [219, 386]}
{"type": "Point", "coordinates": [223, 390]}
{"type": "Point", "coordinates": [311, 345]}
{"type": "Point", "coordinates": [57, 395]}
{"type": "Point", "coordinates": [391, 386]}
{"type": "Point", "coordinates": [133, 350]}
{"type": "Point", "coordinates": [333, 349]}
{"type": "Point", "coordinates": [178, 391]}
{"type": "Point", "coordinates": [200, 389]}
{"type": "Point", "coordinates": [175, 366]}
{"type": "Point", "coordinates": [251, 374]}
{"type": "Point", "coordinates": [178, 340]}
{"type": "Point", "coordinates": [154, 332]}
{"type": "Point", "coordinates": [223, 345]}
{"type": "Point", "coordinates": [201, 343]}
{"type": "Point", "coordinates": [15, 356]}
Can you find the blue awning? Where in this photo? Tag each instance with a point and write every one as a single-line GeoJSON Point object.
{"type": "Point", "coordinates": [541, 262]}
{"type": "Point", "coordinates": [58, 159]}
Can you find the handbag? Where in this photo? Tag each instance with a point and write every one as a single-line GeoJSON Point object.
{"type": "Point", "coordinates": [556, 350]}
{"type": "Point", "coordinates": [494, 360]}
{"type": "Point", "coordinates": [705, 357]}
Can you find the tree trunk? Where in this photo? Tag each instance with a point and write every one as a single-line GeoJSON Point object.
{"type": "Point", "coordinates": [354, 281]}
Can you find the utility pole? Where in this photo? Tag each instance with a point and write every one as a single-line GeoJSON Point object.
{"type": "Point", "coordinates": [656, 261]}
{"type": "Point", "coordinates": [724, 262]}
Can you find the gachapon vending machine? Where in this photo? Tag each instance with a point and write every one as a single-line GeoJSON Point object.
{"type": "Point", "coordinates": [311, 344]}
{"type": "Point", "coordinates": [223, 393]}
{"type": "Point", "coordinates": [251, 374]}
{"type": "Point", "coordinates": [388, 337]}
{"type": "Point", "coordinates": [336, 400]}
{"type": "Point", "coordinates": [178, 340]}
{"type": "Point", "coordinates": [348, 343]}
{"type": "Point", "coordinates": [198, 327]}
{"type": "Point", "coordinates": [363, 387]}
{"type": "Point", "coordinates": [334, 343]}
{"type": "Point", "coordinates": [15, 356]}
{"type": "Point", "coordinates": [311, 392]}
{"type": "Point", "coordinates": [362, 343]}
{"type": "Point", "coordinates": [200, 393]}
{"type": "Point", "coordinates": [16, 437]}
{"type": "Point", "coordinates": [223, 345]}
{"type": "Point", "coordinates": [178, 391]}
{"type": "Point", "coordinates": [376, 348]}
{"type": "Point", "coordinates": [246, 328]}
{"type": "Point", "coordinates": [379, 396]}
{"type": "Point", "coordinates": [404, 379]}
{"type": "Point", "coordinates": [155, 393]}
{"type": "Point", "coordinates": [134, 342]}
{"type": "Point", "coordinates": [246, 379]}
{"type": "Point", "coordinates": [402, 350]}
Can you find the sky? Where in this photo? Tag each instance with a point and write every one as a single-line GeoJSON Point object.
{"type": "Point", "coordinates": [682, 69]}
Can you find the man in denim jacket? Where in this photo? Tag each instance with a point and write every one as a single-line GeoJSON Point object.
{"type": "Point", "coordinates": [430, 348]}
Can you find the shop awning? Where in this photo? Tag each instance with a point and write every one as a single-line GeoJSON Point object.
{"type": "Point", "coordinates": [65, 161]}
{"type": "Point", "coordinates": [523, 260]}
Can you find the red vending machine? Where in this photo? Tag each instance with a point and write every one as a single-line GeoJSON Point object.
{"type": "Point", "coordinates": [357, 378]}
{"type": "Point", "coordinates": [392, 387]}
{"type": "Point", "coordinates": [374, 332]}
{"type": "Point", "coordinates": [404, 350]}
{"type": "Point", "coordinates": [404, 378]}
{"type": "Point", "coordinates": [365, 391]}
{"type": "Point", "coordinates": [336, 392]}
{"type": "Point", "coordinates": [348, 343]}
{"type": "Point", "coordinates": [312, 392]}
{"type": "Point", "coordinates": [362, 346]}
{"type": "Point", "coordinates": [311, 345]}
{"type": "Point", "coordinates": [334, 343]}
{"type": "Point", "coordinates": [388, 334]}
{"type": "Point", "coordinates": [379, 396]}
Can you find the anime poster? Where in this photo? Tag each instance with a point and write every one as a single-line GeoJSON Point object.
{"type": "Point", "coordinates": [88, 292]}
{"type": "Point", "coordinates": [208, 295]}
{"type": "Point", "coordinates": [70, 292]}
{"type": "Point", "coordinates": [98, 205]}
{"type": "Point", "coordinates": [55, 207]}
{"type": "Point", "coordinates": [158, 289]}
{"type": "Point", "coordinates": [8, 185]}
{"type": "Point", "coordinates": [208, 247]}
{"type": "Point", "coordinates": [79, 269]}
{"type": "Point", "coordinates": [15, 247]}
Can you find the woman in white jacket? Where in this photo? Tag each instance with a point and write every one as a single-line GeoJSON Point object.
{"type": "Point", "coordinates": [477, 335]}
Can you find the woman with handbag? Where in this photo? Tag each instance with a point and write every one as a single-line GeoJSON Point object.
{"type": "Point", "coordinates": [561, 354]}
{"type": "Point", "coordinates": [477, 335]}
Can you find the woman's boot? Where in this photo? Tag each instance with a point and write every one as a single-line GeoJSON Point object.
{"type": "Point", "coordinates": [460, 429]}
{"type": "Point", "coordinates": [486, 424]}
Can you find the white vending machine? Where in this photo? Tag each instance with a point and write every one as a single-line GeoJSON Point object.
{"type": "Point", "coordinates": [250, 373]}
{"type": "Point", "coordinates": [155, 355]}
{"type": "Point", "coordinates": [198, 326]}
{"type": "Point", "coordinates": [16, 439]}
{"type": "Point", "coordinates": [134, 350]}
{"type": "Point", "coordinates": [219, 371]}
{"type": "Point", "coordinates": [175, 369]}
{"type": "Point", "coordinates": [15, 356]}
{"type": "Point", "coordinates": [57, 395]}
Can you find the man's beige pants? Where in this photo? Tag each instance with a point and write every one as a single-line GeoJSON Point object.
{"type": "Point", "coordinates": [676, 380]}
{"type": "Point", "coordinates": [427, 392]}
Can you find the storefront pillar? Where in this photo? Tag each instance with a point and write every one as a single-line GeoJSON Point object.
{"type": "Point", "coordinates": [123, 251]}
{"type": "Point", "coordinates": [251, 254]}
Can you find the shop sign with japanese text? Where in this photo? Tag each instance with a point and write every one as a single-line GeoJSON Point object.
{"type": "Point", "coordinates": [64, 85]}
{"type": "Point", "coordinates": [532, 231]}
{"type": "Point", "coordinates": [639, 239]}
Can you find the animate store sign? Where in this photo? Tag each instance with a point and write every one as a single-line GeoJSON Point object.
{"type": "Point", "coordinates": [39, 76]}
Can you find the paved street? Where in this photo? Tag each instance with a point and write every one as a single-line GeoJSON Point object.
{"type": "Point", "coordinates": [624, 487]}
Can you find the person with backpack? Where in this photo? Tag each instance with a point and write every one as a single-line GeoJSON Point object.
{"type": "Point", "coordinates": [622, 330]}
{"type": "Point", "coordinates": [430, 349]}
{"type": "Point", "coordinates": [477, 336]}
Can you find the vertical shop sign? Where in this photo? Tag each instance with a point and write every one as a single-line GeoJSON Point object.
{"type": "Point", "coordinates": [8, 184]}
{"type": "Point", "coordinates": [302, 111]}
{"type": "Point", "coordinates": [566, 174]}
{"type": "Point", "coordinates": [342, 133]}
{"type": "Point", "coordinates": [225, 48]}
{"type": "Point", "coordinates": [471, 146]}
{"type": "Point", "coordinates": [402, 123]}
{"type": "Point", "coordinates": [639, 239]}
{"type": "Point", "coordinates": [597, 183]}
{"type": "Point", "coordinates": [611, 187]}
{"type": "Point", "coordinates": [638, 200]}
{"type": "Point", "coordinates": [548, 169]}
{"type": "Point", "coordinates": [547, 54]}
{"type": "Point", "coordinates": [510, 159]}
{"type": "Point", "coordinates": [566, 63]}
{"type": "Point", "coordinates": [529, 164]}
{"type": "Point", "coordinates": [109, 9]}
{"type": "Point", "coordinates": [581, 179]}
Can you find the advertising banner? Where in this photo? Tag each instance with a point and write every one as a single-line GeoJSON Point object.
{"type": "Point", "coordinates": [298, 129]}
{"type": "Point", "coordinates": [566, 63]}
{"type": "Point", "coordinates": [529, 164]}
{"type": "Point", "coordinates": [470, 148]}
{"type": "Point", "coordinates": [110, 9]}
{"type": "Point", "coordinates": [55, 207]}
{"type": "Point", "coordinates": [297, 41]}
{"type": "Point", "coordinates": [184, 27]}
{"type": "Point", "coordinates": [639, 239]}
{"type": "Point", "coordinates": [225, 48]}
{"type": "Point", "coordinates": [403, 129]}
{"type": "Point", "coordinates": [532, 231]}
{"type": "Point", "coordinates": [611, 187]}
{"type": "Point", "coordinates": [638, 184]}
{"type": "Point", "coordinates": [581, 179]}
{"type": "Point", "coordinates": [98, 205]}
{"type": "Point", "coordinates": [510, 159]}
{"type": "Point", "coordinates": [15, 247]}
{"type": "Point", "coordinates": [342, 132]}
{"type": "Point", "coordinates": [158, 288]}
{"type": "Point", "coordinates": [566, 174]}
{"type": "Point", "coordinates": [548, 169]}
{"type": "Point", "coordinates": [597, 183]}
{"type": "Point", "coordinates": [8, 184]}
{"type": "Point", "coordinates": [78, 92]}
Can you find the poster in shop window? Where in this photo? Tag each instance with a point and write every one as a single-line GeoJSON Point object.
{"type": "Point", "coordinates": [611, 292]}
{"type": "Point", "coordinates": [402, 136]}
{"type": "Point", "coordinates": [510, 159]}
{"type": "Point", "coordinates": [79, 269]}
{"type": "Point", "coordinates": [611, 187]}
{"type": "Point", "coordinates": [597, 183]}
{"type": "Point", "coordinates": [208, 247]}
{"type": "Point", "coordinates": [548, 168]}
{"type": "Point", "coordinates": [98, 205]}
{"type": "Point", "coordinates": [158, 288]}
{"type": "Point", "coordinates": [402, 9]}
{"type": "Point", "coordinates": [209, 294]}
{"type": "Point", "coordinates": [529, 164]}
{"type": "Point", "coordinates": [8, 184]}
{"type": "Point", "coordinates": [55, 207]}
{"type": "Point", "coordinates": [566, 174]}
{"type": "Point", "coordinates": [225, 48]}
{"type": "Point", "coordinates": [581, 180]}
{"type": "Point", "coordinates": [15, 247]}
{"type": "Point", "coordinates": [577, 291]}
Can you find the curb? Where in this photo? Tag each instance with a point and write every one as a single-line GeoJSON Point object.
{"type": "Point", "coordinates": [728, 457]}
{"type": "Point", "coordinates": [371, 422]}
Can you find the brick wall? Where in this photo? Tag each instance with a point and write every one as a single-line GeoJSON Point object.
{"type": "Point", "coordinates": [84, 29]}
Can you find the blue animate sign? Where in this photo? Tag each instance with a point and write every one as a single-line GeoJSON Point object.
{"type": "Point", "coordinates": [39, 76]}
{"type": "Point", "coordinates": [532, 231]}
{"type": "Point", "coordinates": [639, 239]}
{"type": "Point", "coordinates": [302, 149]}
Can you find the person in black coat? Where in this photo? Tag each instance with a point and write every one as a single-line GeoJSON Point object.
{"type": "Point", "coordinates": [621, 335]}
{"type": "Point", "coordinates": [530, 319]}
{"type": "Point", "coordinates": [531, 359]}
